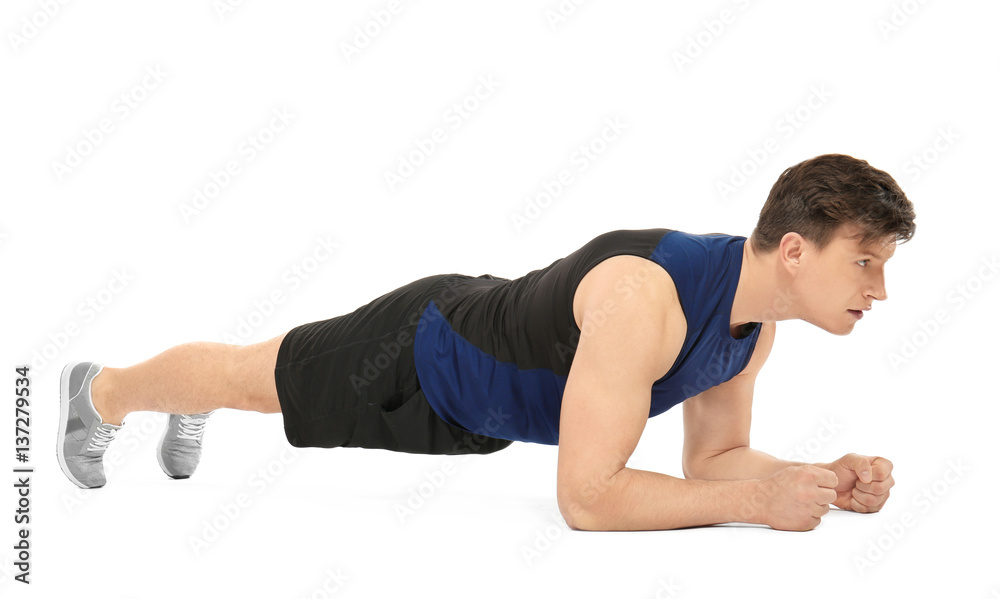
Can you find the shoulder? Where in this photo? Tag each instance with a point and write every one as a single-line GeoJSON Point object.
{"type": "Point", "coordinates": [690, 258]}
{"type": "Point", "coordinates": [624, 278]}
{"type": "Point", "coordinates": [627, 301]}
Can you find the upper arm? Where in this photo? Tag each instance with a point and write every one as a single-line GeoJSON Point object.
{"type": "Point", "coordinates": [630, 336]}
{"type": "Point", "coordinates": [718, 419]}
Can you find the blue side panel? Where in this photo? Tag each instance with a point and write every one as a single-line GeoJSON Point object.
{"type": "Point", "coordinates": [704, 367]}
{"type": "Point", "coordinates": [490, 397]}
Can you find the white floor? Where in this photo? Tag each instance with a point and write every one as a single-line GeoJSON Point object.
{"type": "Point", "coordinates": [263, 519]}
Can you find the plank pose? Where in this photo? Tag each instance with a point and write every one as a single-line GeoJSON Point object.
{"type": "Point", "coordinates": [577, 354]}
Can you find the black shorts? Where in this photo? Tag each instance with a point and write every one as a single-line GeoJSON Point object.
{"type": "Point", "coordinates": [351, 380]}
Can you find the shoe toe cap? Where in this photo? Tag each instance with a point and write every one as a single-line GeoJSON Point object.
{"type": "Point", "coordinates": [86, 472]}
{"type": "Point", "coordinates": [179, 460]}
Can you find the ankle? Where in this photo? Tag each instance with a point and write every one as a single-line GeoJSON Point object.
{"type": "Point", "coordinates": [102, 396]}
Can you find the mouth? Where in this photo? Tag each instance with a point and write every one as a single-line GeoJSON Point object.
{"type": "Point", "coordinates": [857, 313]}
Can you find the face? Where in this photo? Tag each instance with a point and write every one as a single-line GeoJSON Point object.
{"type": "Point", "coordinates": [835, 285]}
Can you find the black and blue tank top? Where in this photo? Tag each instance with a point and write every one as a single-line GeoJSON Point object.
{"type": "Point", "coordinates": [494, 354]}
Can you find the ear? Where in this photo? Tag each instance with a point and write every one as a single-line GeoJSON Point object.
{"type": "Point", "coordinates": [790, 251]}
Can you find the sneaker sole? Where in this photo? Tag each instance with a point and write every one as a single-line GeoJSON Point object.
{"type": "Point", "coordinates": [63, 418]}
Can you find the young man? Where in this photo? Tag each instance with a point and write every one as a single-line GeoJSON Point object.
{"type": "Point", "coordinates": [577, 354]}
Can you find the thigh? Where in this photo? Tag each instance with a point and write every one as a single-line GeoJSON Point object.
{"type": "Point", "coordinates": [254, 370]}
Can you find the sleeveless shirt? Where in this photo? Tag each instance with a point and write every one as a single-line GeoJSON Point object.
{"type": "Point", "coordinates": [493, 354]}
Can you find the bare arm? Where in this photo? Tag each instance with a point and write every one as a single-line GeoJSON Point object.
{"type": "Point", "coordinates": [606, 404]}
{"type": "Point", "coordinates": [717, 426]}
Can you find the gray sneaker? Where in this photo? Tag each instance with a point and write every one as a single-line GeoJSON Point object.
{"type": "Point", "coordinates": [179, 450]}
{"type": "Point", "coordinates": [83, 436]}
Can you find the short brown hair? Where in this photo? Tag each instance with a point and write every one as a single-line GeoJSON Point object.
{"type": "Point", "coordinates": [816, 196]}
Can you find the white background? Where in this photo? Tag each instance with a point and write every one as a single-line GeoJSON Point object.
{"type": "Point", "coordinates": [891, 92]}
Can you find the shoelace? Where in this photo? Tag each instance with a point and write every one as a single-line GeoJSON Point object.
{"type": "Point", "coordinates": [191, 428]}
{"type": "Point", "coordinates": [102, 436]}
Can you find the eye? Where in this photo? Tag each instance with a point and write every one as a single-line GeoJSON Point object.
{"type": "Point", "coordinates": [866, 261]}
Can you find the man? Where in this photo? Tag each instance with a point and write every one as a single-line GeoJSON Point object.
{"type": "Point", "coordinates": [577, 354]}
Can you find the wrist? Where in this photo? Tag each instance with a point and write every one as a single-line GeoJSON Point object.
{"type": "Point", "coordinates": [751, 497]}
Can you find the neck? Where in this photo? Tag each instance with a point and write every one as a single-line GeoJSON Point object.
{"type": "Point", "coordinates": [762, 294]}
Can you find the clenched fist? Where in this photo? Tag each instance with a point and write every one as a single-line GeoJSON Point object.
{"type": "Point", "coordinates": [796, 497]}
{"type": "Point", "coordinates": [863, 482]}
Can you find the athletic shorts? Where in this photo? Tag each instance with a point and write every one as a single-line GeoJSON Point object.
{"type": "Point", "coordinates": [351, 380]}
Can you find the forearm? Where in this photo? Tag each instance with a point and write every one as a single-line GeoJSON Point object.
{"type": "Point", "coordinates": [739, 463]}
{"type": "Point", "coordinates": [642, 500]}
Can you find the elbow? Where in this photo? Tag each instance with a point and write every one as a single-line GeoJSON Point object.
{"type": "Point", "coordinates": [587, 506]}
{"type": "Point", "coordinates": [577, 517]}
{"type": "Point", "coordinates": [703, 465]}
{"type": "Point", "coordinates": [699, 470]}
{"type": "Point", "coordinates": [691, 468]}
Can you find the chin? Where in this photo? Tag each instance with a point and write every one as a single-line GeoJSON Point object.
{"type": "Point", "coordinates": [846, 328]}
{"type": "Point", "coordinates": [840, 329]}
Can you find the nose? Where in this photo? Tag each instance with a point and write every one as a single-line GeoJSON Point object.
{"type": "Point", "coordinates": [878, 289]}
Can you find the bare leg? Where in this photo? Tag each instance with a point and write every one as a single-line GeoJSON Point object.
{"type": "Point", "coordinates": [192, 378]}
